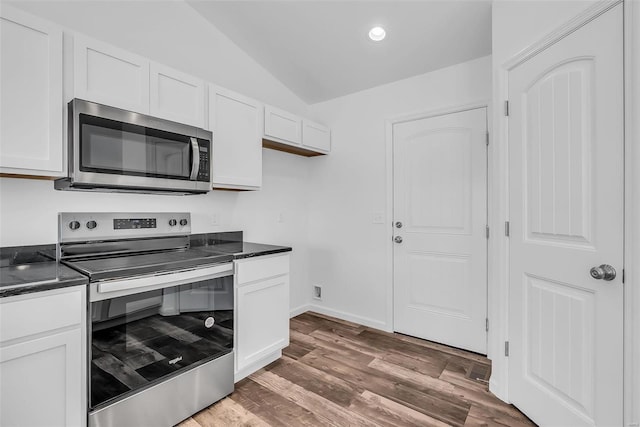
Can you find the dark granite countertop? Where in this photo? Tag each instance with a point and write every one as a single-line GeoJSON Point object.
{"type": "Point", "coordinates": [27, 269]}
{"type": "Point", "coordinates": [233, 243]}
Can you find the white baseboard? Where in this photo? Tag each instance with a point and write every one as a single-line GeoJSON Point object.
{"type": "Point", "coordinates": [361, 320]}
{"type": "Point", "coordinates": [299, 310]}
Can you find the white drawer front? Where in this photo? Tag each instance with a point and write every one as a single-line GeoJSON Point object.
{"type": "Point", "coordinates": [253, 269]}
{"type": "Point", "coordinates": [43, 312]}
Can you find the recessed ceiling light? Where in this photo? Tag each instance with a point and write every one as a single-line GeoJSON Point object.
{"type": "Point", "coordinates": [377, 33]}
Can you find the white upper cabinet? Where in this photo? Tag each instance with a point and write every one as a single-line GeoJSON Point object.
{"type": "Point", "coordinates": [111, 76]}
{"type": "Point", "coordinates": [287, 132]}
{"type": "Point", "coordinates": [282, 125]}
{"type": "Point", "coordinates": [31, 103]}
{"type": "Point", "coordinates": [316, 136]}
{"type": "Point", "coordinates": [176, 96]}
{"type": "Point", "coordinates": [236, 122]}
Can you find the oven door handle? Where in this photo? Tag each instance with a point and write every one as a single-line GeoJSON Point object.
{"type": "Point", "coordinates": [195, 159]}
{"type": "Point", "coordinates": [118, 288]}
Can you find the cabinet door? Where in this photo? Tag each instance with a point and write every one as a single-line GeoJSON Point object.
{"type": "Point", "coordinates": [43, 358]}
{"type": "Point", "coordinates": [262, 319]}
{"type": "Point", "coordinates": [282, 125]}
{"type": "Point", "coordinates": [31, 104]}
{"type": "Point", "coordinates": [236, 122]}
{"type": "Point", "coordinates": [176, 96]}
{"type": "Point", "coordinates": [41, 381]}
{"type": "Point", "coordinates": [111, 76]}
{"type": "Point", "coordinates": [316, 136]}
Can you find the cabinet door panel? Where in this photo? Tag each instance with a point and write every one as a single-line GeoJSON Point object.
{"type": "Point", "coordinates": [236, 122]}
{"type": "Point", "coordinates": [176, 96]}
{"type": "Point", "coordinates": [263, 319]}
{"type": "Point", "coordinates": [282, 125]}
{"type": "Point", "coordinates": [31, 108]}
{"type": "Point", "coordinates": [111, 76]}
{"type": "Point", "coordinates": [61, 310]}
{"type": "Point", "coordinates": [45, 372]}
{"type": "Point", "coordinates": [315, 136]}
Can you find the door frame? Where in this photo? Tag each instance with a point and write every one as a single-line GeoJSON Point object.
{"type": "Point", "coordinates": [389, 123]}
{"type": "Point", "coordinates": [498, 207]}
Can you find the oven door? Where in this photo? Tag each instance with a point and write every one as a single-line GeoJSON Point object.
{"type": "Point", "coordinates": [152, 328]}
{"type": "Point", "coordinates": [115, 148]}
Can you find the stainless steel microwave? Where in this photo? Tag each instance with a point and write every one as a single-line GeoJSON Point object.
{"type": "Point", "coordinates": [116, 150]}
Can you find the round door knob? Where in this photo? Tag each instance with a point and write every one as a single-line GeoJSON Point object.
{"type": "Point", "coordinates": [183, 222]}
{"type": "Point", "coordinates": [398, 239]}
{"type": "Point", "coordinates": [74, 225]}
{"type": "Point", "coordinates": [398, 224]}
{"type": "Point", "coordinates": [603, 272]}
{"type": "Point", "coordinates": [91, 225]}
{"type": "Point", "coordinates": [172, 222]}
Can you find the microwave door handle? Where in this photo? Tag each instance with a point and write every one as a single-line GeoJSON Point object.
{"type": "Point", "coordinates": [195, 160]}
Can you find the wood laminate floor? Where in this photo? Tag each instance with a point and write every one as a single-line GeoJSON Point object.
{"type": "Point", "coordinates": [339, 373]}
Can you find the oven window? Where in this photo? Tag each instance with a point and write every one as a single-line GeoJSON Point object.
{"type": "Point", "coordinates": [109, 146]}
{"type": "Point", "coordinates": [140, 339]}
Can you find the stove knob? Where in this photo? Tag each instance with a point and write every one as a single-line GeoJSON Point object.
{"type": "Point", "coordinates": [74, 225]}
{"type": "Point", "coordinates": [183, 222]}
{"type": "Point", "coordinates": [172, 222]}
{"type": "Point", "coordinates": [91, 225]}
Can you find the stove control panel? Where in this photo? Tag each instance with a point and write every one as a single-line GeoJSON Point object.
{"type": "Point", "coordinates": [133, 223]}
{"type": "Point", "coordinates": [87, 226]}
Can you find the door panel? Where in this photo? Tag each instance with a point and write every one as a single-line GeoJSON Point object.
{"type": "Point", "coordinates": [566, 207]}
{"type": "Point", "coordinates": [440, 199]}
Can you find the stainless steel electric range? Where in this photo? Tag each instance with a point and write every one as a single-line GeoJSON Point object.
{"type": "Point", "coordinates": [160, 316]}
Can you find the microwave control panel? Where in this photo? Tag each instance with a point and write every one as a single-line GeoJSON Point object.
{"type": "Point", "coordinates": [203, 172]}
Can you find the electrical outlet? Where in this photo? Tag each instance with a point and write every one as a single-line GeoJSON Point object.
{"type": "Point", "coordinates": [280, 217]}
{"type": "Point", "coordinates": [215, 219]}
{"type": "Point", "coordinates": [317, 292]}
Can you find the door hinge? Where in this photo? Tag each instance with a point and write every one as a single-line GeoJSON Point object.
{"type": "Point", "coordinates": [487, 139]}
{"type": "Point", "coordinates": [486, 324]}
{"type": "Point", "coordinates": [506, 108]}
{"type": "Point", "coordinates": [623, 277]}
{"type": "Point", "coordinates": [506, 348]}
{"type": "Point", "coordinates": [506, 228]}
{"type": "Point", "coordinates": [487, 231]}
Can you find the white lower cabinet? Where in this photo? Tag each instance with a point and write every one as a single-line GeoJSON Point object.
{"type": "Point", "coordinates": [43, 359]}
{"type": "Point", "coordinates": [262, 312]}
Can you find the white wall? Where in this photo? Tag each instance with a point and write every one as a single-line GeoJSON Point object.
{"type": "Point", "coordinates": [347, 250]}
{"type": "Point", "coordinates": [172, 33]}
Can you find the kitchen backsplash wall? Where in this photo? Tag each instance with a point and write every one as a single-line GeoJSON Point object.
{"type": "Point", "coordinates": [277, 214]}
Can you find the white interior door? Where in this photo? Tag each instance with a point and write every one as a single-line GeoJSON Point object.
{"type": "Point", "coordinates": [440, 199]}
{"type": "Point", "coordinates": [566, 209]}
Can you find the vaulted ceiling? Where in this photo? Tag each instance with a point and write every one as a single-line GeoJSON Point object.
{"type": "Point", "coordinates": [321, 49]}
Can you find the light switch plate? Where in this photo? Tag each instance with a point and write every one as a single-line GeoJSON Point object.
{"type": "Point", "coordinates": [378, 217]}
